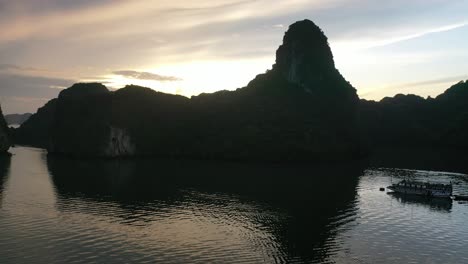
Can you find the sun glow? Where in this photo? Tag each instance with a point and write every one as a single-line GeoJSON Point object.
{"type": "Point", "coordinates": [198, 76]}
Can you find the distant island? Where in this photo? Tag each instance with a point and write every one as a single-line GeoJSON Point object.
{"type": "Point", "coordinates": [301, 109]}
{"type": "Point", "coordinates": [17, 119]}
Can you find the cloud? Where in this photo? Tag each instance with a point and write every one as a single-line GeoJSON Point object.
{"type": "Point", "coordinates": [18, 105]}
{"type": "Point", "coordinates": [12, 68]}
{"type": "Point", "coordinates": [9, 67]}
{"type": "Point", "coordinates": [67, 36]}
{"type": "Point", "coordinates": [422, 33]}
{"type": "Point", "coordinates": [23, 93]}
{"type": "Point", "coordinates": [146, 76]}
{"type": "Point", "coordinates": [429, 83]}
{"type": "Point", "coordinates": [22, 85]}
{"type": "Point", "coordinates": [432, 87]}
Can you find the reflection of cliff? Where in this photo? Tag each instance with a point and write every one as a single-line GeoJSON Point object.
{"type": "Point", "coordinates": [4, 167]}
{"type": "Point", "coordinates": [436, 204]}
{"type": "Point", "coordinates": [90, 177]}
{"type": "Point", "coordinates": [304, 204]}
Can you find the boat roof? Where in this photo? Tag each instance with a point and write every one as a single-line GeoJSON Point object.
{"type": "Point", "coordinates": [424, 183]}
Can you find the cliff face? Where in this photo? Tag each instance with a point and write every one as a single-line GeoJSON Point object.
{"type": "Point", "coordinates": [301, 109]}
{"type": "Point", "coordinates": [119, 143]}
{"type": "Point", "coordinates": [305, 58]}
{"type": "Point", "coordinates": [4, 135]}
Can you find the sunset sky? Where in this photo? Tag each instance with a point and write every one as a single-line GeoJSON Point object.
{"type": "Point", "coordinates": [189, 47]}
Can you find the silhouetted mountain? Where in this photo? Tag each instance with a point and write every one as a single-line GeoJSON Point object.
{"type": "Point", "coordinates": [301, 109]}
{"type": "Point", "coordinates": [412, 121]}
{"type": "Point", "coordinates": [4, 135]}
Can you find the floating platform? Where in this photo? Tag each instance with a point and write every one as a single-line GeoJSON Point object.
{"type": "Point", "coordinates": [423, 189]}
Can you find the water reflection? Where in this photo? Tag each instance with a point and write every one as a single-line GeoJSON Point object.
{"type": "Point", "coordinates": [153, 211]}
{"type": "Point", "coordinates": [4, 167]}
{"type": "Point", "coordinates": [436, 204]}
{"type": "Point", "coordinates": [430, 159]}
{"type": "Point", "coordinates": [211, 211]}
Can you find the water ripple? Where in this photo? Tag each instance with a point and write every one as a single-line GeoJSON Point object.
{"type": "Point", "coordinates": [96, 213]}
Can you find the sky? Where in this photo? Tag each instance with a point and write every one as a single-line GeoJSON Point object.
{"type": "Point", "coordinates": [189, 47]}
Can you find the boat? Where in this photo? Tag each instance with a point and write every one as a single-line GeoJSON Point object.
{"type": "Point", "coordinates": [460, 197]}
{"type": "Point", "coordinates": [422, 188]}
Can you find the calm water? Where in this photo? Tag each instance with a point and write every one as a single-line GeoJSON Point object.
{"type": "Point", "coordinates": [56, 210]}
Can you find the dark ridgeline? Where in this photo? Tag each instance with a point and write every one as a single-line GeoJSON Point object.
{"type": "Point", "coordinates": [412, 132]}
{"type": "Point", "coordinates": [216, 189]}
{"type": "Point", "coordinates": [302, 109]}
{"type": "Point", "coordinates": [412, 121]}
{"type": "Point", "coordinates": [17, 119]}
{"type": "Point", "coordinates": [4, 135]}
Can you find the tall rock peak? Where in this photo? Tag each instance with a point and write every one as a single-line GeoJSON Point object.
{"type": "Point", "coordinates": [305, 56]}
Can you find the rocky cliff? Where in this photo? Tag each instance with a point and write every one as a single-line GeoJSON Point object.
{"type": "Point", "coordinates": [301, 109]}
{"type": "Point", "coordinates": [4, 135]}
